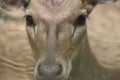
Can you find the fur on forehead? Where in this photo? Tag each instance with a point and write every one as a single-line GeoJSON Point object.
{"type": "Point", "coordinates": [48, 8]}
{"type": "Point", "coordinates": [53, 2]}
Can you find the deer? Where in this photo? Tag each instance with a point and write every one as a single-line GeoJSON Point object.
{"type": "Point", "coordinates": [57, 33]}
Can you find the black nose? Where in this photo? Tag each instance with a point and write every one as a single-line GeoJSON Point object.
{"type": "Point", "coordinates": [49, 70]}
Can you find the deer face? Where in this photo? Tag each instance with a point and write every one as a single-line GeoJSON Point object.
{"type": "Point", "coordinates": [56, 29]}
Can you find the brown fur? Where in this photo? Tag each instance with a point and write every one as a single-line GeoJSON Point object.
{"type": "Point", "coordinates": [56, 39]}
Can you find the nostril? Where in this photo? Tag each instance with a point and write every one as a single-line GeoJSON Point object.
{"type": "Point", "coordinates": [49, 70]}
{"type": "Point", "coordinates": [59, 72]}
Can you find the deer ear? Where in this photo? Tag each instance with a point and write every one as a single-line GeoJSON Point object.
{"type": "Point", "coordinates": [14, 4]}
{"type": "Point", "coordinates": [91, 5]}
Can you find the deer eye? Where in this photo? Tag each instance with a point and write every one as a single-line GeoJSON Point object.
{"type": "Point", "coordinates": [29, 20]}
{"type": "Point", "coordinates": [81, 20]}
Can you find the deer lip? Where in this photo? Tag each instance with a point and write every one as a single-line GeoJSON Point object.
{"type": "Point", "coordinates": [50, 78]}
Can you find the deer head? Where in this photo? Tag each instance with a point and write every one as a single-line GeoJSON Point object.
{"type": "Point", "coordinates": [56, 30]}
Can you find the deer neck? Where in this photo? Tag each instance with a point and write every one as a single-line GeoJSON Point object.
{"type": "Point", "coordinates": [85, 66]}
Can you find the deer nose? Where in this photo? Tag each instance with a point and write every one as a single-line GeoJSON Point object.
{"type": "Point", "coordinates": [51, 70]}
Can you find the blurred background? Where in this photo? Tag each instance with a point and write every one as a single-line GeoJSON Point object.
{"type": "Point", "coordinates": [16, 60]}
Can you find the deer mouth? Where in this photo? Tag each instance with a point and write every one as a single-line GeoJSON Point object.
{"type": "Point", "coordinates": [52, 71]}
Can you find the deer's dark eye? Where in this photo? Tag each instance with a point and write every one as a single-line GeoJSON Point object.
{"type": "Point", "coordinates": [29, 20]}
{"type": "Point", "coordinates": [81, 20]}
